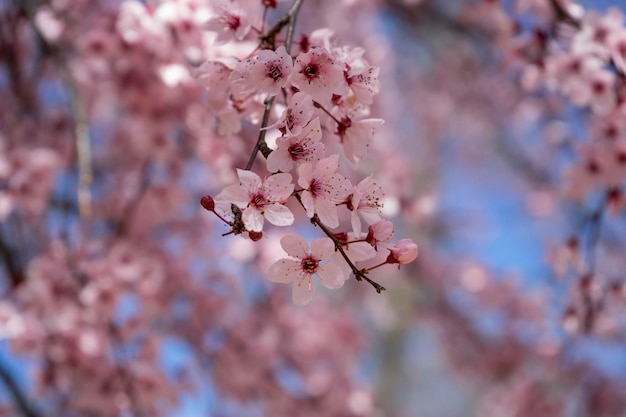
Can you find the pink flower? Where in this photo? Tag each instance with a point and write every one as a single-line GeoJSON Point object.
{"type": "Point", "coordinates": [323, 189]}
{"type": "Point", "coordinates": [213, 76]}
{"type": "Point", "coordinates": [268, 72]}
{"type": "Point", "coordinates": [305, 147]}
{"type": "Point", "coordinates": [259, 200]}
{"type": "Point", "coordinates": [366, 203]}
{"type": "Point", "coordinates": [364, 84]}
{"type": "Point", "coordinates": [297, 115]}
{"type": "Point", "coordinates": [229, 21]}
{"type": "Point", "coordinates": [316, 73]}
{"type": "Point", "coordinates": [300, 271]}
{"type": "Point", "coordinates": [380, 232]}
{"type": "Point", "coordinates": [403, 252]}
{"type": "Point", "coordinates": [356, 136]}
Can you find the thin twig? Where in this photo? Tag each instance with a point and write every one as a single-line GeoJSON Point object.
{"type": "Point", "coordinates": [83, 144]}
{"type": "Point", "coordinates": [269, 38]}
{"type": "Point", "coordinates": [359, 274]}
{"type": "Point", "coordinates": [22, 403]}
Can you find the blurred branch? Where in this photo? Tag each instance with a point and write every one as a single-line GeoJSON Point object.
{"type": "Point", "coordinates": [79, 115]}
{"type": "Point", "coordinates": [22, 403]}
{"type": "Point", "coordinates": [83, 143]}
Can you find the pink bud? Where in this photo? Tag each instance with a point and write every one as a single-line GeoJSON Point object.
{"type": "Point", "coordinates": [207, 202]}
{"type": "Point", "coordinates": [403, 252]}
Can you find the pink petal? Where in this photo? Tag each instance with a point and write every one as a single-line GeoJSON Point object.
{"type": "Point", "coordinates": [279, 160]}
{"type": "Point", "coordinates": [278, 215]}
{"type": "Point", "coordinates": [330, 275]}
{"type": "Point", "coordinates": [279, 187]}
{"type": "Point", "coordinates": [305, 175]}
{"type": "Point", "coordinates": [325, 168]}
{"type": "Point", "coordinates": [253, 219]}
{"type": "Point", "coordinates": [361, 251]}
{"type": "Point", "coordinates": [322, 248]}
{"type": "Point", "coordinates": [308, 202]}
{"type": "Point", "coordinates": [370, 214]}
{"type": "Point", "coordinates": [295, 246]}
{"type": "Point", "coordinates": [233, 194]}
{"type": "Point", "coordinates": [327, 212]}
{"type": "Point", "coordinates": [355, 221]}
{"type": "Point", "coordinates": [249, 180]}
{"type": "Point", "coordinates": [285, 271]}
{"type": "Point", "coordinates": [303, 290]}
{"type": "Point", "coordinates": [338, 189]}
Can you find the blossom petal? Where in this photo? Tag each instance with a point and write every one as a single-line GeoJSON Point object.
{"type": "Point", "coordinates": [295, 246]}
{"type": "Point", "coordinates": [355, 220]}
{"type": "Point", "coordinates": [322, 248]}
{"type": "Point", "coordinates": [249, 180]}
{"type": "Point", "coordinates": [303, 290]}
{"type": "Point", "coordinates": [325, 168]}
{"type": "Point", "coordinates": [361, 251]}
{"type": "Point", "coordinates": [253, 219]}
{"type": "Point", "coordinates": [235, 194]}
{"type": "Point", "coordinates": [279, 215]}
{"type": "Point", "coordinates": [279, 187]}
{"type": "Point", "coordinates": [308, 202]}
{"type": "Point", "coordinates": [330, 275]}
{"type": "Point", "coordinates": [285, 271]}
{"type": "Point", "coordinates": [327, 212]}
{"type": "Point", "coordinates": [305, 175]}
{"type": "Point", "coordinates": [279, 160]}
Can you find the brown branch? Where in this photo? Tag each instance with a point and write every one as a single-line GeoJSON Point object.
{"type": "Point", "coordinates": [269, 39]}
{"type": "Point", "coordinates": [359, 274]}
{"type": "Point", "coordinates": [22, 403]}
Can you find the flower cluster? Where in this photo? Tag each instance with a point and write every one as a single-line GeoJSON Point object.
{"type": "Point", "coordinates": [325, 91]}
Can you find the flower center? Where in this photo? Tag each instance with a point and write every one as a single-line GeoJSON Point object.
{"type": "Point", "coordinates": [316, 188]}
{"type": "Point", "coordinates": [258, 201]}
{"type": "Point", "coordinates": [309, 265]}
{"type": "Point", "coordinates": [296, 151]}
{"type": "Point", "coordinates": [232, 21]}
{"type": "Point", "coordinates": [273, 71]}
{"type": "Point", "coordinates": [311, 71]}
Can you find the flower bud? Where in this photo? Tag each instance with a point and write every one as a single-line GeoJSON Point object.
{"type": "Point", "coordinates": [207, 202]}
{"type": "Point", "coordinates": [403, 252]}
{"type": "Point", "coordinates": [254, 236]}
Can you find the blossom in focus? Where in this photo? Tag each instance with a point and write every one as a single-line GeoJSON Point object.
{"type": "Point", "coordinates": [403, 252]}
{"type": "Point", "coordinates": [316, 73]}
{"type": "Point", "coordinates": [324, 189]}
{"type": "Point", "coordinates": [268, 72]}
{"type": "Point", "coordinates": [297, 115]}
{"type": "Point", "coordinates": [307, 263]}
{"type": "Point", "coordinates": [380, 232]}
{"type": "Point", "coordinates": [259, 199]}
{"type": "Point", "coordinates": [366, 202]}
{"type": "Point", "coordinates": [305, 147]}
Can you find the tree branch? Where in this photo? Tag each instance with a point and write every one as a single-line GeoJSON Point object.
{"type": "Point", "coordinates": [22, 403]}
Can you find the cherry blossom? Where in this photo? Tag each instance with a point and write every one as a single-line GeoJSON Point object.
{"type": "Point", "coordinates": [323, 189]}
{"type": "Point", "coordinates": [316, 73]}
{"type": "Point", "coordinates": [403, 252]}
{"type": "Point", "coordinates": [366, 202]}
{"type": "Point", "coordinates": [356, 136]}
{"type": "Point", "coordinates": [308, 262]}
{"type": "Point", "coordinates": [259, 199]}
{"type": "Point", "coordinates": [297, 115]}
{"type": "Point", "coordinates": [303, 147]}
{"type": "Point", "coordinates": [268, 72]}
{"type": "Point", "coordinates": [230, 21]}
{"type": "Point", "coordinates": [380, 232]}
